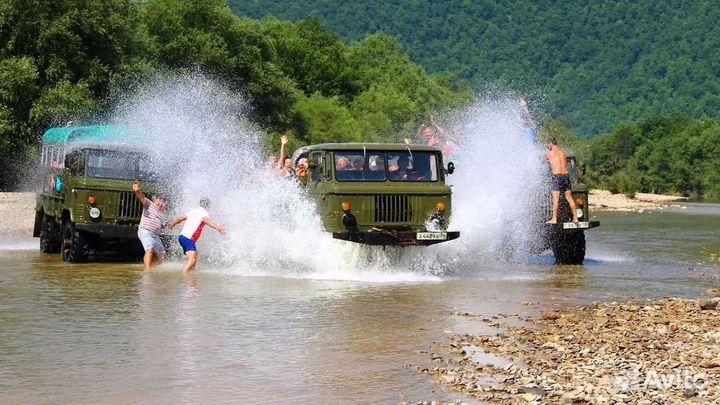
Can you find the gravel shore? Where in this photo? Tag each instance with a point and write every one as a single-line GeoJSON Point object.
{"type": "Point", "coordinates": [603, 200]}
{"type": "Point", "coordinates": [663, 351]}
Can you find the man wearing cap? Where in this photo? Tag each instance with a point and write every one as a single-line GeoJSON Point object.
{"type": "Point", "coordinates": [195, 220]}
{"type": "Point", "coordinates": [152, 221]}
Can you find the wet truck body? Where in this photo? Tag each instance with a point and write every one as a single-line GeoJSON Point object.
{"type": "Point", "coordinates": [380, 194]}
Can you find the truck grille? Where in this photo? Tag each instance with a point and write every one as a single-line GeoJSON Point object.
{"type": "Point", "coordinates": [394, 208]}
{"type": "Point", "coordinates": [130, 206]}
{"type": "Point", "coordinates": [545, 208]}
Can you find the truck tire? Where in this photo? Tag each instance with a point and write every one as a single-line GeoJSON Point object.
{"type": "Point", "coordinates": [75, 246]}
{"type": "Point", "coordinates": [569, 248]}
{"type": "Point", "coordinates": [50, 240]}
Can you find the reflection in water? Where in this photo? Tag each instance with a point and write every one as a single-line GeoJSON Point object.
{"type": "Point", "coordinates": [567, 277]}
{"type": "Point", "coordinates": [189, 337]}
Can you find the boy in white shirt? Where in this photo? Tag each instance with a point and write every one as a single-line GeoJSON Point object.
{"type": "Point", "coordinates": [195, 221]}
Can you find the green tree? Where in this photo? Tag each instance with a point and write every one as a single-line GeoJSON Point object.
{"type": "Point", "coordinates": [65, 102]}
{"type": "Point", "coordinates": [314, 57]}
{"type": "Point", "coordinates": [326, 120]}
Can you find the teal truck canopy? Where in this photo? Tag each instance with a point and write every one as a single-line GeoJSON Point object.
{"type": "Point", "coordinates": [94, 134]}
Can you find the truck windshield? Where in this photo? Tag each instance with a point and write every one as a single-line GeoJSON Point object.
{"type": "Point", "coordinates": [417, 166]}
{"type": "Point", "coordinates": [116, 165]}
{"type": "Point", "coordinates": [382, 166]}
{"type": "Point", "coordinates": [360, 166]}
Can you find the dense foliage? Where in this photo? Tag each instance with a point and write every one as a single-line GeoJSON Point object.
{"type": "Point", "coordinates": [63, 60]}
{"type": "Point", "coordinates": [599, 63]}
{"type": "Point", "coordinates": [672, 154]}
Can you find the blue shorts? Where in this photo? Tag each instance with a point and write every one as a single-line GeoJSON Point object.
{"type": "Point", "coordinates": [188, 245]}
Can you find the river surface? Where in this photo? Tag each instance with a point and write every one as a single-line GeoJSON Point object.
{"type": "Point", "coordinates": [113, 333]}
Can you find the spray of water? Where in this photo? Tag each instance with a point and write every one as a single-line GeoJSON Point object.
{"type": "Point", "coordinates": [206, 146]}
{"type": "Point", "coordinates": [497, 182]}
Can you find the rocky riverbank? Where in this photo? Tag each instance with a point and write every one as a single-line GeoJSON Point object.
{"type": "Point", "coordinates": [607, 201]}
{"type": "Point", "coordinates": [664, 351]}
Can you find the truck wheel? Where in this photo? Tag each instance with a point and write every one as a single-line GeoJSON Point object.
{"type": "Point", "coordinates": [49, 235]}
{"type": "Point", "coordinates": [569, 248]}
{"type": "Point", "coordinates": [75, 246]}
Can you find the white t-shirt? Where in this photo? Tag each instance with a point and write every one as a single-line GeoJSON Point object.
{"type": "Point", "coordinates": [194, 223]}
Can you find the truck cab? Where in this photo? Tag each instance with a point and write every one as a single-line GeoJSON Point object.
{"type": "Point", "coordinates": [379, 194]}
{"type": "Point", "coordinates": [85, 200]}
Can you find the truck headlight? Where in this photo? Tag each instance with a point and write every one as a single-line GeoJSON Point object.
{"type": "Point", "coordinates": [94, 212]}
{"type": "Point", "coordinates": [350, 222]}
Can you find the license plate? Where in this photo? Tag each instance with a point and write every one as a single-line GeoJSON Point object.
{"type": "Point", "coordinates": [432, 236]}
{"type": "Point", "coordinates": [579, 225]}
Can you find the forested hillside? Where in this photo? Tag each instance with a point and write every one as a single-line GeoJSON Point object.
{"type": "Point", "coordinates": [597, 64]}
{"type": "Point", "coordinates": [65, 60]}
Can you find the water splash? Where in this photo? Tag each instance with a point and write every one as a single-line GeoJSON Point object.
{"type": "Point", "coordinates": [206, 146]}
{"type": "Point", "coordinates": [204, 142]}
{"type": "Point", "coordinates": [497, 181]}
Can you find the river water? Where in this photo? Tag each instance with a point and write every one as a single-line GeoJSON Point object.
{"type": "Point", "coordinates": [113, 333]}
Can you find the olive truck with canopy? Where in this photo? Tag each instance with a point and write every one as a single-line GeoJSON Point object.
{"type": "Point", "coordinates": [85, 201]}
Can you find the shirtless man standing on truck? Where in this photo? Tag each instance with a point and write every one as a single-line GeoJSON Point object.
{"type": "Point", "coordinates": [560, 181]}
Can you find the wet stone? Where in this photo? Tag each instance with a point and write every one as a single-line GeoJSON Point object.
{"type": "Point", "coordinates": [708, 304]}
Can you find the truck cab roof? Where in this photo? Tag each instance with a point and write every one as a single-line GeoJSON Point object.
{"type": "Point", "coordinates": [359, 146]}
{"type": "Point", "coordinates": [370, 146]}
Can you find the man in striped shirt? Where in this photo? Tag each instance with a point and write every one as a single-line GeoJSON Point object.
{"type": "Point", "coordinates": [152, 221]}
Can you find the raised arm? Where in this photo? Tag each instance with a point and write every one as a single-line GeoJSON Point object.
{"type": "Point", "coordinates": [440, 129]}
{"type": "Point", "coordinates": [283, 152]}
{"type": "Point", "coordinates": [419, 132]}
{"type": "Point", "coordinates": [525, 115]}
{"type": "Point", "coordinates": [139, 194]}
{"type": "Point", "coordinates": [178, 220]}
{"type": "Point", "coordinates": [213, 225]}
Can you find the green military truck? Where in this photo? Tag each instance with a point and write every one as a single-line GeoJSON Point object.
{"type": "Point", "coordinates": [85, 200]}
{"type": "Point", "coordinates": [566, 239]}
{"type": "Point", "coordinates": [379, 194]}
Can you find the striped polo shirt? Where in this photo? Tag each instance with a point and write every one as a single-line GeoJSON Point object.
{"type": "Point", "coordinates": [152, 218]}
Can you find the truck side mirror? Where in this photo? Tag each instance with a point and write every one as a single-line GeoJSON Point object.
{"type": "Point", "coordinates": [583, 168]}
{"type": "Point", "coordinates": [451, 167]}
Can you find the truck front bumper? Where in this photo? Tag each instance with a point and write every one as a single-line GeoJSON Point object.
{"type": "Point", "coordinates": [105, 231]}
{"type": "Point", "coordinates": [572, 227]}
{"type": "Point", "coordinates": [384, 237]}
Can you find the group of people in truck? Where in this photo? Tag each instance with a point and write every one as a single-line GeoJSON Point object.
{"type": "Point", "coordinates": [434, 134]}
